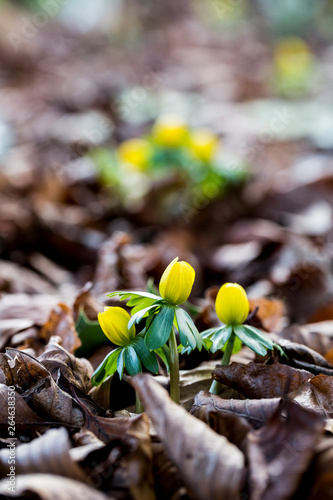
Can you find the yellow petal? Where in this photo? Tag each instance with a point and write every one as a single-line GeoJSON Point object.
{"type": "Point", "coordinates": [204, 144]}
{"type": "Point", "coordinates": [170, 131]}
{"type": "Point", "coordinates": [232, 305]}
{"type": "Point", "coordinates": [114, 323]}
{"type": "Point", "coordinates": [136, 152]}
{"type": "Point", "coordinates": [177, 281]}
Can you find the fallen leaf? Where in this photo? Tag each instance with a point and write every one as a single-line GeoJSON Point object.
{"type": "Point", "coordinates": [257, 380]}
{"type": "Point", "coordinates": [210, 466]}
{"type": "Point", "coordinates": [61, 323]}
{"type": "Point", "coordinates": [316, 394]}
{"type": "Point", "coordinates": [281, 451]}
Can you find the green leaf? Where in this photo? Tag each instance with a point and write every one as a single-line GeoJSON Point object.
{"type": "Point", "coordinates": [259, 336]}
{"type": "Point", "coordinates": [121, 363]}
{"type": "Point", "coordinates": [107, 368]}
{"type": "Point", "coordinates": [250, 341]}
{"type": "Point", "coordinates": [132, 362]}
{"type": "Point", "coordinates": [139, 303]}
{"type": "Point", "coordinates": [188, 332]}
{"type": "Point", "coordinates": [123, 295]}
{"type": "Point", "coordinates": [159, 330]}
{"type": "Point", "coordinates": [137, 317]}
{"type": "Point", "coordinates": [164, 353]}
{"type": "Point", "coordinates": [220, 337]}
{"type": "Point", "coordinates": [90, 334]}
{"type": "Point", "coordinates": [147, 357]}
{"type": "Point", "coordinates": [207, 333]}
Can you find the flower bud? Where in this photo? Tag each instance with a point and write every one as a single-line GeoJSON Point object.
{"type": "Point", "coordinates": [177, 281]}
{"type": "Point", "coordinates": [136, 152]}
{"type": "Point", "coordinates": [204, 144]}
{"type": "Point", "coordinates": [232, 305]}
{"type": "Point", "coordinates": [170, 131]}
{"type": "Point", "coordinates": [114, 323]}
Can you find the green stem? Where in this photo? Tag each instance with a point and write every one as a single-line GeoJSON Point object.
{"type": "Point", "coordinates": [216, 387]}
{"type": "Point", "coordinates": [138, 404]}
{"type": "Point", "coordinates": [174, 368]}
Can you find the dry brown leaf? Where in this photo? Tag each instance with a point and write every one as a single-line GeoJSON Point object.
{"type": "Point", "coordinates": [269, 315]}
{"type": "Point", "coordinates": [61, 323]}
{"type": "Point", "coordinates": [311, 336]}
{"type": "Point", "coordinates": [26, 420]}
{"type": "Point", "coordinates": [47, 454]}
{"type": "Point", "coordinates": [280, 452]}
{"type": "Point", "coordinates": [257, 380]}
{"type": "Point", "coordinates": [210, 466]}
{"type": "Point", "coordinates": [50, 487]}
{"type": "Point", "coordinates": [255, 411]}
{"type": "Point", "coordinates": [316, 394]}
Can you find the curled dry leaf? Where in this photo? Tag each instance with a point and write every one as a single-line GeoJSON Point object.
{"type": "Point", "coordinates": [210, 466]}
{"type": "Point", "coordinates": [61, 323]}
{"type": "Point", "coordinates": [33, 381]}
{"type": "Point", "coordinates": [257, 380]}
{"type": "Point", "coordinates": [230, 425]}
{"type": "Point", "coordinates": [47, 454]}
{"type": "Point", "coordinates": [78, 371]}
{"type": "Point", "coordinates": [168, 482]}
{"type": "Point", "coordinates": [310, 336]}
{"type": "Point", "coordinates": [26, 420]}
{"type": "Point", "coordinates": [303, 357]}
{"type": "Point", "coordinates": [50, 487]}
{"type": "Point", "coordinates": [255, 411]}
{"type": "Point", "coordinates": [269, 314]}
{"type": "Point", "coordinates": [321, 472]}
{"type": "Point", "coordinates": [281, 451]}
{"type": "Point", "coordinates": [316, 394]}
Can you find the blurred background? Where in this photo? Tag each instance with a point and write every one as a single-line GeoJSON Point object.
{"type": "Point", "coordinates": [132, 132]}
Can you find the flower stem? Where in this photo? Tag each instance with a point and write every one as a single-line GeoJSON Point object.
{"type": "Point", "coordinates": [138, 404]}
{"type": "Point", "coordinates": [174, 368]}
{"type": "Point", "coordinates": [216, 387]}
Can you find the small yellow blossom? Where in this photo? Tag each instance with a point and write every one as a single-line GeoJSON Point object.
{"type": "Point", "coordinates": [232, 305]}
{"type": "Point", "coordinates": [135, 152]}
{"type": "Point", "coordinates": [177, 281]}
{"type": "Point", "coordinates": [114, 321]}
{"type": "Point", "coordinates": [204, 144]}
{"type": "Point", "coordinates": [170, 131]}
{"type": "Point", "coordinates": [293, 58]}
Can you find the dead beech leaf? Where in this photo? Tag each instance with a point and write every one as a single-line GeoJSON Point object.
{"type": "Point", "coordinates": [281, 451]}
{"type": "Point", "coordinates": [50, 487]}
{"type": "Point", "coordinates": [257, 380]}
{"type": "Point", "coordinates": [230, 425]}
{"type": "Point", "coordinates": [269, 315]}
{"type": "Point", "coordinates": [168, 482]}
{"type": "Point", "coordinates": [26, 419]}
{"type": "Point", "coordinates": [316, 394]}
{"type": "Point", "coordinates": [78, 371]}
{"type": "Point", "coordinates": [303, 357]}
{"type": "Point", "coordinates": [61, 323]}
{"type": "Point", "coordinates": [255, 411]}
{"type": "Point", "coordinates": [210, 466]}
{"type": "Point", "coordinates": [47, 454]}
{"type": "Point", "coordinates": [310, 336]}
{"type": "Point", "coordinates": [321, 472]}
{"type": "Point", "coordinates": [33, 381]}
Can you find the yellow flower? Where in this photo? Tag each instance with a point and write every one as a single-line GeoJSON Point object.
{"type": "Point", "coordinates": [114, 321]}
{"type": "Point", "coordinates": [177, 281]}
{"type": "Point", "coordinates": [232, 305]}
{"type": "Point", "coordinates": [170, 131]}
{"type": "Point", "coordinates": [293, 58]}
{"type": "Point", "coordinates": [204, 144]}
{"type": "Point", "coordinates": [136, 152]}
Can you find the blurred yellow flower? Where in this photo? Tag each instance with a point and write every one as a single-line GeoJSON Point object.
{"type": "Point", "coordinates": [170, 131]}
{"type": "Point", "coordinates": [135, 152]}
{"type": "Point", "coordinates": [232, 305]}
{"type": "Point", "coordinates": [114, 321]}
{"type": "Point", "coordinates": [177, 281]}
{"type": "Point", "coordinates": [293, 58]}
{"type": "Point", "coordinates": [204, 144]}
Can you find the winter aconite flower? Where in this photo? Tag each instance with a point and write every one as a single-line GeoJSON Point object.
{"type": "Point", "coordinates": [114, 322]}
{"type": "Point", "coordinates": [232, 305]}
{"type": "Point", "coordinates": [203, 144]}
{"type": "Point", "coordinates": [176, 282]}
{"type": "Point", "coordinates": [135, 152]}
{"type": "Point", "coordinates": [170, 131]}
